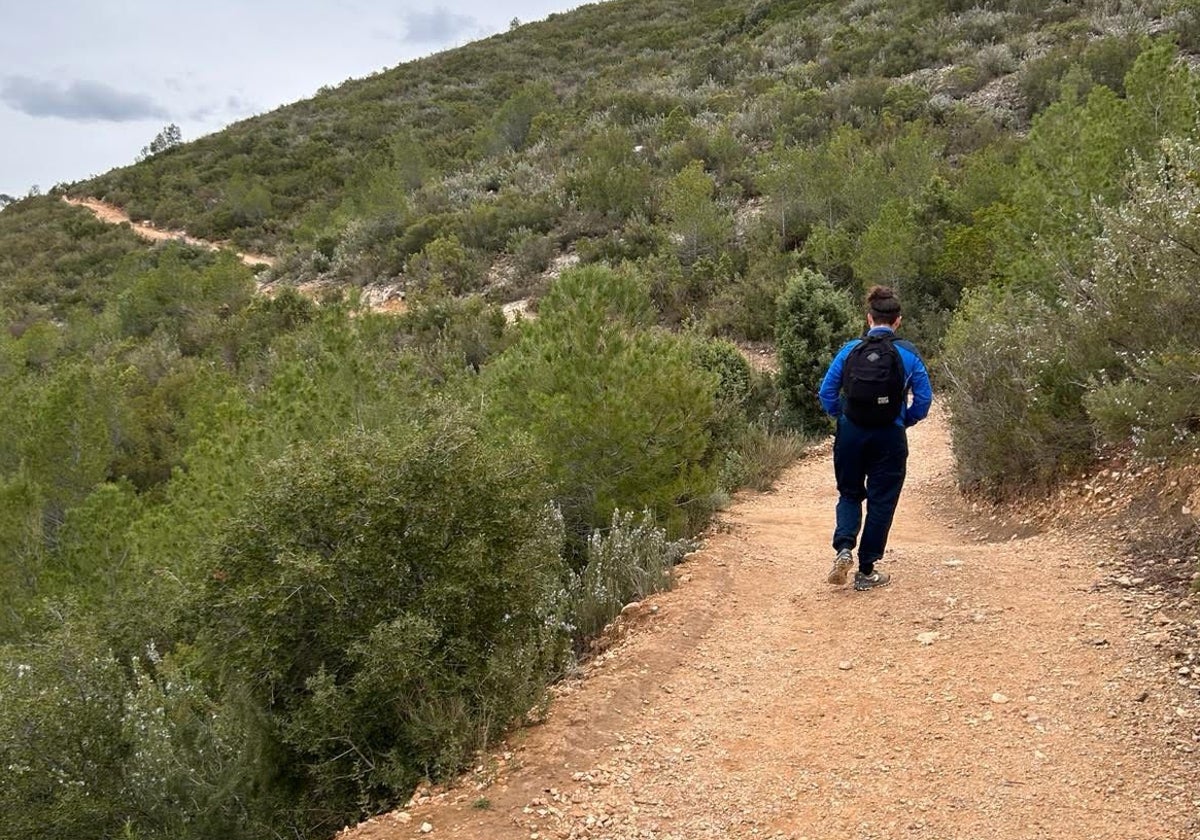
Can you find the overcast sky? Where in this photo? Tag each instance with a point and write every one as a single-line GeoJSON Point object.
{"type": "Point", "coordinates": [85, 84]}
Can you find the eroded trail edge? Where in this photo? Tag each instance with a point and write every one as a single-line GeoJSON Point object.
{"type": "Point", "coordinates": [114, 215]}
{"type": "Point", "coordinates": [993, 691]}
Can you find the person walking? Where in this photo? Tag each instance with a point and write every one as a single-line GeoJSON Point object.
{"type": "Point", "coordinates": [867, 388]}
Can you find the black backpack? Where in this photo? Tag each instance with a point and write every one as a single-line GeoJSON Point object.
{"type": "Point", "coordinates": [873, 382]}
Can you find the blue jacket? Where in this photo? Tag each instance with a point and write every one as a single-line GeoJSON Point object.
{"type": "Point", "coordinates": [916, 381]}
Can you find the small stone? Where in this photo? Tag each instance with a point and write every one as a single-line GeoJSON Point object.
{"type": "Point", "coordinates": [845, 665]}
{"type": "Point", "coordinates": [999, 698]}
{"type": "Point", "coordinates": [952, 563]}
{"type": "Point", "coordinates": [1142, 697]}
{"type": "Point", "coordinates": [929, 637]}
{"type": "Point", "coordinates": [426, 828]}
{"type": "Point", "coordinates": [404, 817]}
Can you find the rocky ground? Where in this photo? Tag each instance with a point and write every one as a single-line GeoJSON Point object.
{"type": "Point", "coordinates": [1026, 676]}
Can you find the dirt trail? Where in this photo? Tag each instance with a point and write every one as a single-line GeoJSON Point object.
{"type": "Point", "coordinates": [379, 299]}
{"type": "Point", "coordinates": [115, 216]}
{"type": "Point", "coordinates": [755, 700]}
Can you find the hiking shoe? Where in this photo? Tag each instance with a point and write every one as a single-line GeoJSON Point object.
{"type": "Point", "coordinates": [839, 575]}
{"type": "Point", "coordinates": [872, 581]}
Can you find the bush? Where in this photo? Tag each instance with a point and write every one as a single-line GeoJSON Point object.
{"type": "Point", "coordinates": [1016, 385]}
{"type": "Point", "coordinates": [760, 457]}
{"type": "Point", "coordinates": [387, 603]}
{"type": "Point", "coordinates": [446, 263]}
{"type": "Point", "coordinates": [815, 320]}
{"type": "Point", "coordinates": [619, 408]}
{"type": "Point", "coordinates": [91, 748]}
{"type": "Point", "coordinates": [638, 239]}
{"type": "Point", "coordinates": [611, 180]}
{"type": "Point", "coordinates": [1158, 410]}
{"type": "Point", "coordinates": [733, 392]}
{"type": "Point", "coordinates": [531, 252]}
{"type": "Point", "coordinates": [746, 307]}
{"type": "Point", "coordinates": [625, 563]}
{"type": "Point", "coordinates": [1139, 307]}
{"type": "Point", "coordinates": [700, 225]}
{"type": "Point", "coordinates": [61, 746]}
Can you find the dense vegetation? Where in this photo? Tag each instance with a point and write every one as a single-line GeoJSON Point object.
{"type": "Point", "coordinates": [266, 563]}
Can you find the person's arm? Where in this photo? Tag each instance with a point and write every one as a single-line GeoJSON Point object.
{"type": "Point", "coordinates": [922, 393]}
{"type": "Point", "coordinates": [830, 392]}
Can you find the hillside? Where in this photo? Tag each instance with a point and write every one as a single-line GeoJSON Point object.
{"type": "Point", "coordinates": [505, 145]}
{"type": "Point", "coordinates": [272, 560]}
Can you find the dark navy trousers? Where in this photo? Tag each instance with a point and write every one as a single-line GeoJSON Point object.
{"type": "Point", "coordinates": [869, 465]}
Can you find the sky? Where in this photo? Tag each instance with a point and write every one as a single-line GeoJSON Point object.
{"type": "Point", "coordinates": [85, 84]}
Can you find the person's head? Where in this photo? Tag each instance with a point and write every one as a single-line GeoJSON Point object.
{"type": "Point", "coordinates": [883, 307]}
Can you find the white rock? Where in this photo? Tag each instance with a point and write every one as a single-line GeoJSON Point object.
{"type": "Point", "coordinates": [999, 698]}
{"type": "Point", "coordinates": [426, 828]}
{"type": "Point", "coordinates": [929, 637]}
{"type": "Point", "coordinates": [845, 665]}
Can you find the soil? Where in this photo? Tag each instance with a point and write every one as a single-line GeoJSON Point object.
{"type": "Point", "coordinates": [1012, 682]}
{"type": "Point", "coordinates": [116, 216]}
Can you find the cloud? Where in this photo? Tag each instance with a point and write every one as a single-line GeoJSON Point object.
{"type": "Point", "coordinates": [81, 100]}
{"type": "Point", "coordinates": [438, 27]}
{"type": "Point", "coordinates": [231, 108]}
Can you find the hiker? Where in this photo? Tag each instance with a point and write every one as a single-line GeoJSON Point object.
{"type": "Point", "coordinates": [867, 390]}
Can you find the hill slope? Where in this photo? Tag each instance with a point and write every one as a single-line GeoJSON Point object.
{"type": "Point", "coordinates": [775, 72]}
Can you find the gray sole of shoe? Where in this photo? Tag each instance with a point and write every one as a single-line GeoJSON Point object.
{"type": "Point", "coordinates": [839, 575]}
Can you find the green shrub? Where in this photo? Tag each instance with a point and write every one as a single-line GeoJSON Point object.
{"type": "Point", "coordinates": [510, 125]}
{"type": "Point", "coordinates": [1142, 330]}
{"type": "Point", "coordinates": [1187, 23]}
{"type": "Point", "coordinates": [1013, 364]}
{"type": "Point", "coordinates": [62, 753]}
{"type": "Point", "coordinates": [638, 239]}
{"type": "Point", "coordinates": [732, 404]}
{"type": "Point", "coordinates": [625, 562]}
{"type": "Point", "coordinates": [446, 263]}
{"type": "Point", "coordinates": [612, 179]}
{"type": "Point", "coordinates": [91, 748]}
{"type": "Point", "coordinates": [531, 252]}
{"type": "Point", "coordinates": [619, 408]}
{"type": "Point", "coordinates": [1157, 408]}
{"type": "Point", "coordinates": [700, 225]}
{"type": "Point", "coordinates": [759, 457]}
{"type": "Point", "coordinates": [388, 603]}
{"type": "Point", "coordinates": [815, 320]}
{"type": "Point", "coordinates": [1079, 65]}
{"type": "Point", "coordinates": [746, 307]}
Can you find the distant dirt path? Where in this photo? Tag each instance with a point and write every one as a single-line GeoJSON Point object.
{"type": "Point", "coordinates": [115, 216]}
{"type": "Point", "coordinates": [757, 701]}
